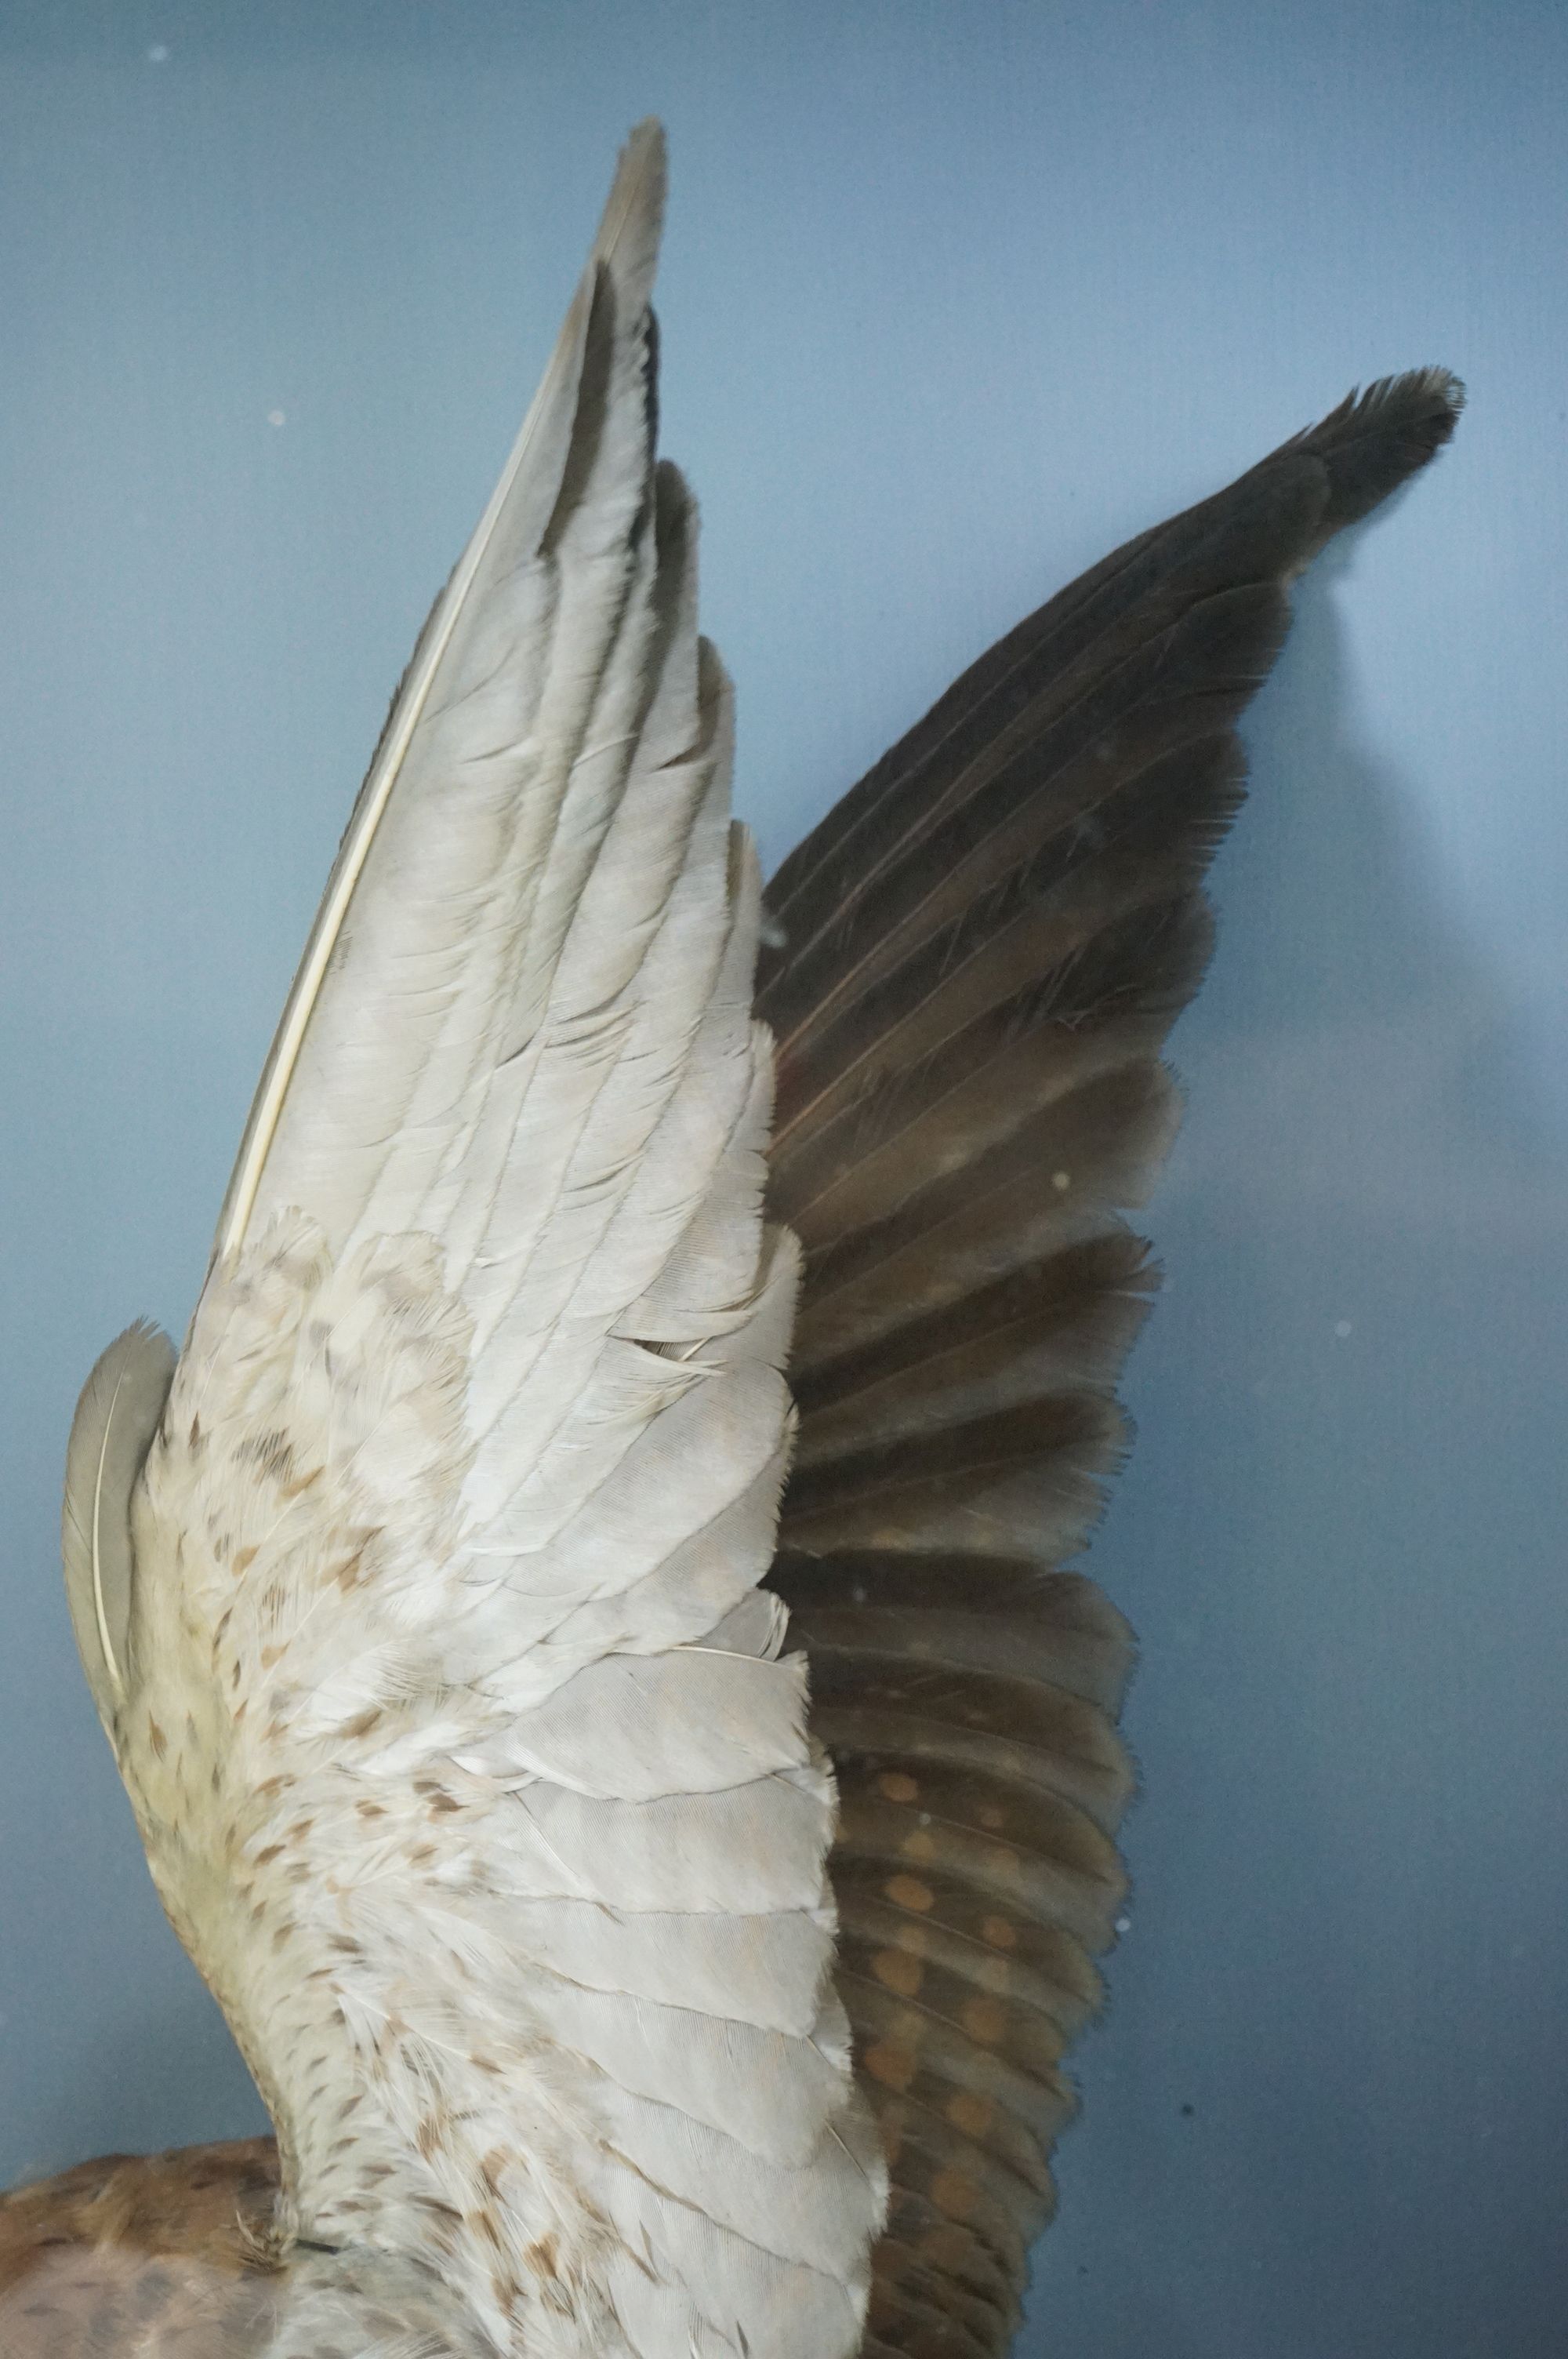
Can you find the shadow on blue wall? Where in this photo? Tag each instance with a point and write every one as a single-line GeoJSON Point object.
{"type": "Point", "coordinates": [1348, 1868]}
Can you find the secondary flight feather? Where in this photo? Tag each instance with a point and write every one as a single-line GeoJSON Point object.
{"type": "Point", "coordinates": [655, 1925]}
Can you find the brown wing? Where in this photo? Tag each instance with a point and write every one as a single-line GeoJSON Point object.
{"type": "Point", "coordinates": [981, 952]}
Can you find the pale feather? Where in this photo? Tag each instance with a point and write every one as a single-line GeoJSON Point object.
{"type": "Point", "coordinates": [116, 1418]}
{"type": "Point", "coordinates": [468, 1763]}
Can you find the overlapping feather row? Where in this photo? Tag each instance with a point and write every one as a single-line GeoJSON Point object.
{"type": "Point", "coordinates": [468, 1758]}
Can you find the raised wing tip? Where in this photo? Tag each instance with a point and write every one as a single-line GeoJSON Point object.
{"type": "Point", "coordinates": [626, 251]}
{"type": "Point", "coordinates": [628, 240]}
{"type": "Point", "coordinates": [1379, 437]}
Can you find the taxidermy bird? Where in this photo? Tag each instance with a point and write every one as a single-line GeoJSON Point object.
{"type": "Point", "coordinates": [651, 1824]}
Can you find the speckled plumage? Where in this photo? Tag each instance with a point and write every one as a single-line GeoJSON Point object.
{"type": "Point", "coordinates": [469, 1766]}
{"type": "Point", "coordinates": [431, 1601]}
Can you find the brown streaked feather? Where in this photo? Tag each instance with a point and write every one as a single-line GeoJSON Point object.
{"type": "Point", "coordinates": [975, 959]}
{"type": "Point", "coordinates": [163, 2251]}
{"type": "Point", "coordinates": [212, 2202]}
{"type": "Point", "coordinates": [182, 2255]}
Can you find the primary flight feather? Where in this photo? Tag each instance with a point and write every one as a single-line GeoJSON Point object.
{"type": "Point", "coordinates": [621, 1982]}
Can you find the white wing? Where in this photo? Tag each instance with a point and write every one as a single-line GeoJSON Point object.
{"type": "Point", "coordinates": [468, 1763]}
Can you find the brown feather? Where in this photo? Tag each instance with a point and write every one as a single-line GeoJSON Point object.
{"type": "Point", "coordinates": [975, 959]}
{"type": "Point", "coordinates": [1097, 1146]}
{"type": "Point", "coordinates": [168, 2253]}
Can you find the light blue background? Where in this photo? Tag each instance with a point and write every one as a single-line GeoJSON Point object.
{"type": "Point", "coordinates": [956, 298]}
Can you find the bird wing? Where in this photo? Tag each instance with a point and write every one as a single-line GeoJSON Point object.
{"type": "Point", "coordinates": [468, 1764]}
{"type": "Point", "coordinates": [977, 956]}
{"type": "Point", "coordinates": [422, 1604]}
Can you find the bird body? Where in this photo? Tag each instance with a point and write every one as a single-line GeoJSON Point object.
{"type": "Point", "coordinates": [653, 1927]}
